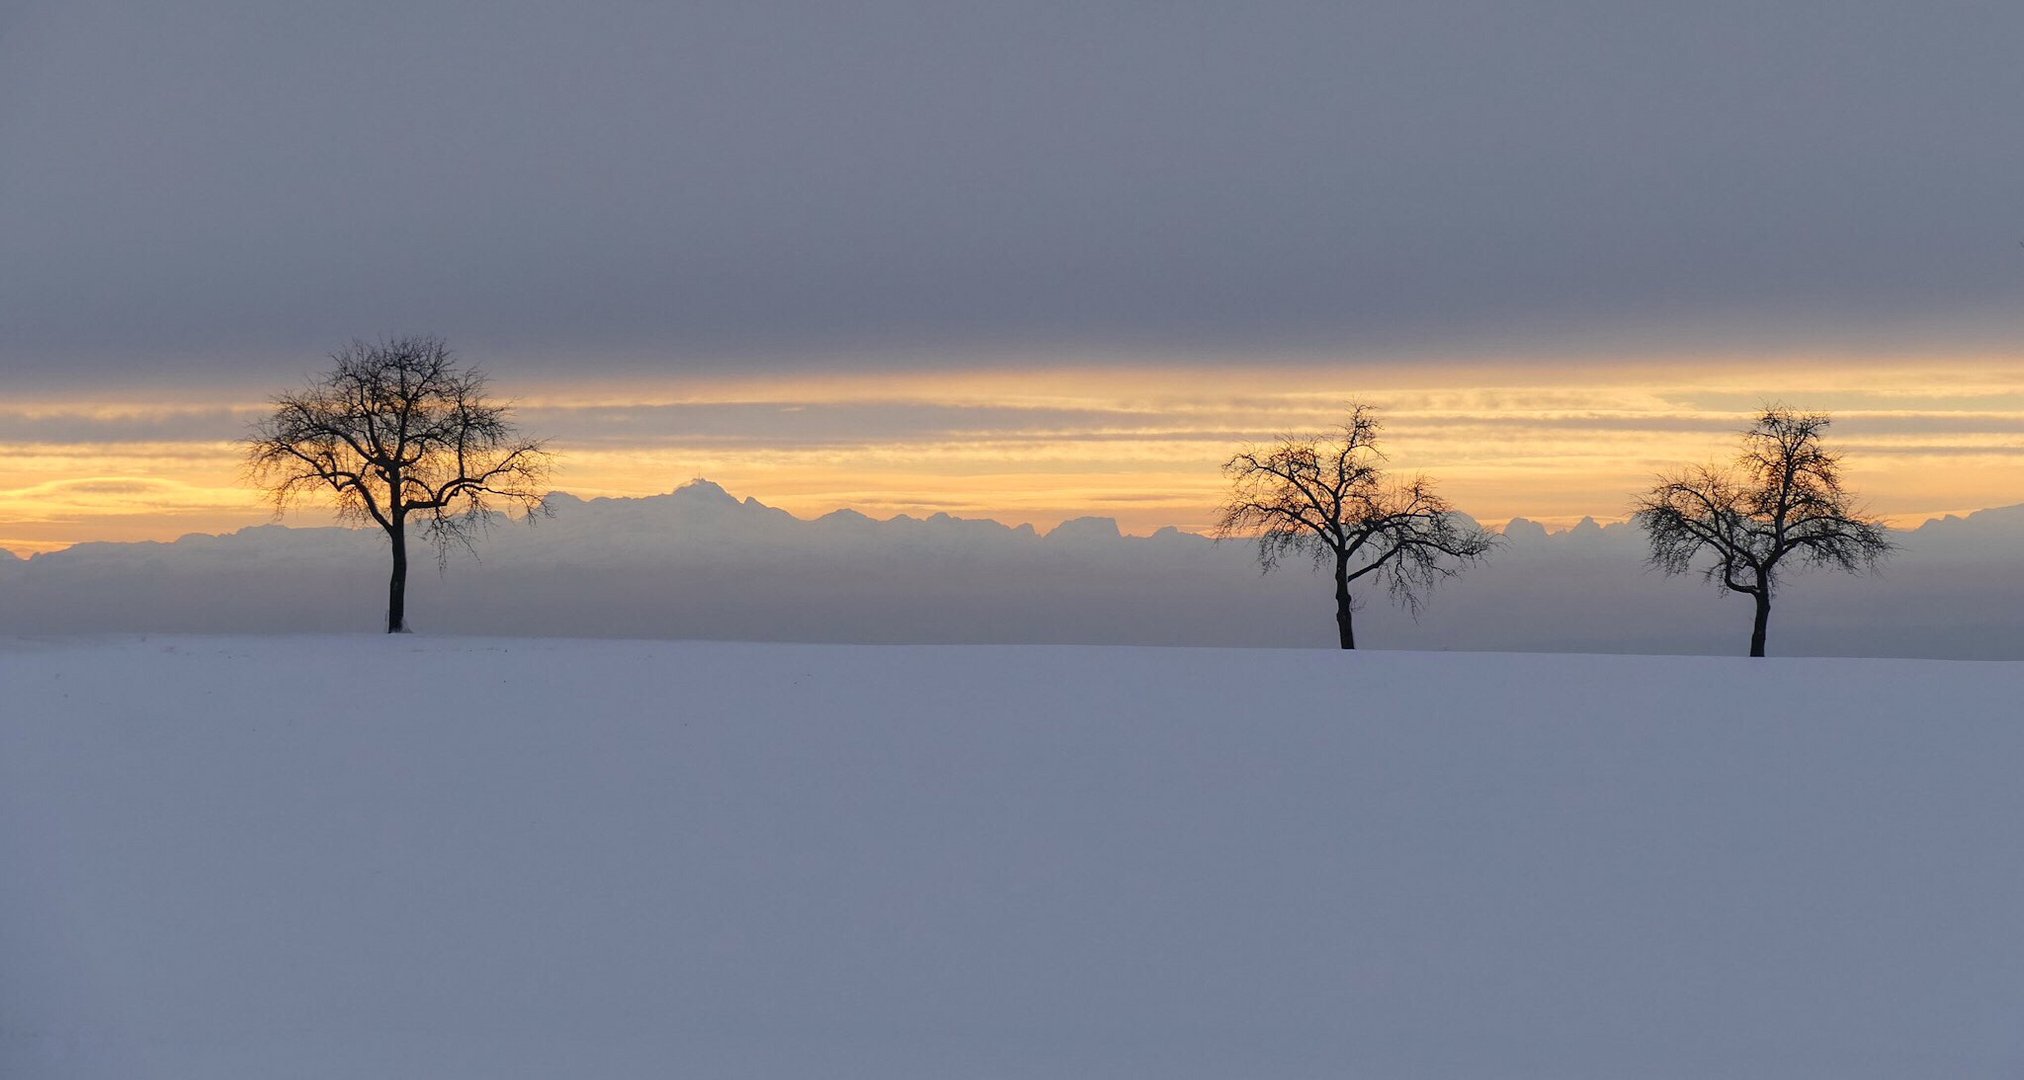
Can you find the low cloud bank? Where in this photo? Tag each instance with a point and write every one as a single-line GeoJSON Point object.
{"type": "Point", "coordinates": [700, 563]}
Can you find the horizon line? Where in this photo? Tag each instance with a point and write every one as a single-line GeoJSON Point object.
{"type": "Point", "coordinates": [31, 550]}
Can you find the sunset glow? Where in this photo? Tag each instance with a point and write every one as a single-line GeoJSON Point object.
{"type": "Point", "coordinates": [1136, 442]}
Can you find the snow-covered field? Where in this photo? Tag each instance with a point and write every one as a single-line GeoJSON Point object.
{"type": "Point", "coordinates": [353, 857]}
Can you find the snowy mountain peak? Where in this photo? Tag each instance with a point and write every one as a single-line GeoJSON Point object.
{"type": "Point", "coordinates": [1086, 528]}
{"type": "Point", "coordinates": [848, 516]}
{"type": "Point", "coordinates": [706, 491]}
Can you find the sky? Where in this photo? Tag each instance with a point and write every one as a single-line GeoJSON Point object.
{"type": "Point", "coordinates": [1026, 261]}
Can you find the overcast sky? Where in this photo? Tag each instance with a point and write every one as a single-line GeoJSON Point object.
{"type": "Point", "coordinates": [644, 188]}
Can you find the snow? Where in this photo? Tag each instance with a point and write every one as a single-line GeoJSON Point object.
{"type": "Point", "coordinates": [489, 858]}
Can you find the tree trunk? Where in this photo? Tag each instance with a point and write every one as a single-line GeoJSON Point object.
{"type": "Point", "coordinates": [1344, 629]}
{"type": "Point", "coordinates": [397, 586]}
{"type": "Point", "coordinates": [1763, 620]}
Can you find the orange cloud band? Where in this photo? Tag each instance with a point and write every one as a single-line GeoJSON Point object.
{"type": "Point", "coordinates": [1139, 443]}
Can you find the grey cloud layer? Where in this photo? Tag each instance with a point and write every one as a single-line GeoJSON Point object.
{"type": "Point", "coordinates": [817, 424]}
{"type": "Point", "coordinates": [165, 426]}
{"type": "Point", "coordinates": [225, 181]}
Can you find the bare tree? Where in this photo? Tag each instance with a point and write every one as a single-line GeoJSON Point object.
{"type": "Point", "coordinates": [1326, 497]}
{"type": "Point", "coordinates": [1782, 498]}
{"type": "Point", "coordinates": [394, 431]}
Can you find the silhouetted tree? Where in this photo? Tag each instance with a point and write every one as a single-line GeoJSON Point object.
{"type": "Point", "coordinates": [394, 431]}
{"type": "Point", "coordinates": [1326, 497]}
{"type": "Point", "coordinates": [1783, 498]}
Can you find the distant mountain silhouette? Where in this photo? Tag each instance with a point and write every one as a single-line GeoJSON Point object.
{"type": "Point", "coordinates": [699, 562]}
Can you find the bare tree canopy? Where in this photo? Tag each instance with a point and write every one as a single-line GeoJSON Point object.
{"type": "Point", "coordinates": [1327, 497]}
{"type": "Point", "coordinates": [394, 431]}
{"type": "Point", "coordinates": [1782, 499]}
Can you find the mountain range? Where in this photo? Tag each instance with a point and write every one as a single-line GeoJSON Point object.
{"type": "Point", "coordinates": [701, 563]}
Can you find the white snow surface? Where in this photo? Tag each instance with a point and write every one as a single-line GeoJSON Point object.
{"type": "Point", "coordinates": [393, 857]}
